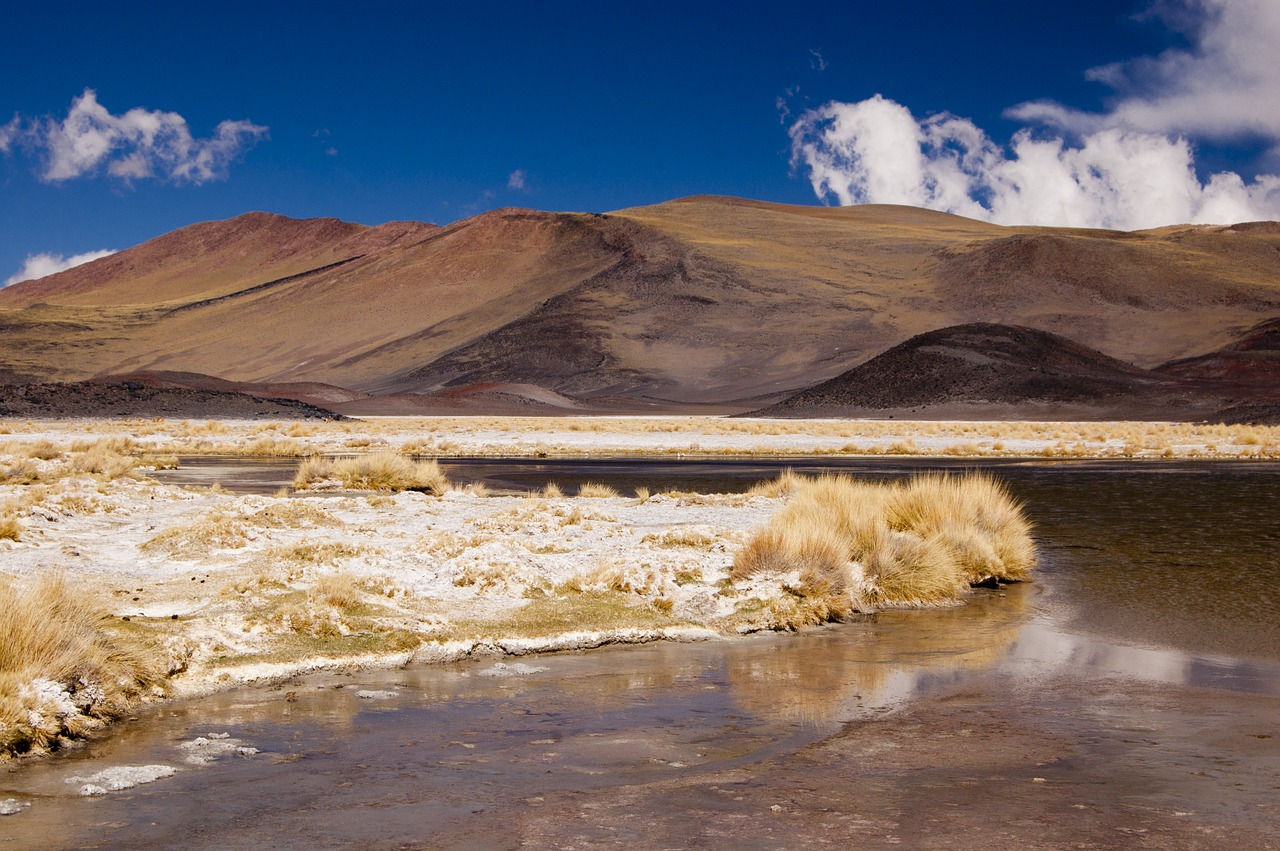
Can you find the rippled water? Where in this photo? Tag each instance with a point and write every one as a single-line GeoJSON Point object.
{"type": "Point", "coordinates": [1133, 688]}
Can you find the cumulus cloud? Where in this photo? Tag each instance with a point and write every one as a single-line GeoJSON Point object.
{"type": "Point", "coordinates": [1131, 167]}
{"type": "Point", "coordinates": [517, 180]}
{"type": "Point", "coordinates": [40, 265]}
{"type": "Point", "coordinates": [135, 145]}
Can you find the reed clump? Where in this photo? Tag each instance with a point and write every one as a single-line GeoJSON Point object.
{"type": "Point", "coordinates": [379, 471]}
{"type": "Point", "coordinates": [63, 670]}
{"type": "Point", "coordinates": [842, 545]}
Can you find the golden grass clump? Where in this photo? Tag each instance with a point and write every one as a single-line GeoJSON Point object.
{"type": "Point", "coordinates": [681, 537]}
{"type": "Point", "coordinates": [103, 458]}
{"type": "Point", "coordinates": [119, 445]}
{"type": "Point", "coordinates": [842, 545]}
{"type": "Point", "coordinates": [10, 529]}
{"type": "Point", "coordinates": [784, 485]}
{"type": "Point", "coordinates": [340, 590]}
{"type": "Point", "coordinates": [217, 531]}
{"type": "Point", "coordinates": [23, 472]}
{"type": "Point", "coordinates": [45, 450]}
{"type": "Point", "coordinates": [974, 517]}
{"type": "Point", "coordinates": [63, 670]}
{"type": "Point", "coordinates": [380, 471]}
{"type": "Point", "coordinates": [595, 490]}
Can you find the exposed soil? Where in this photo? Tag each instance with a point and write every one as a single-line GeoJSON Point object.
{"type": "Point", "coordinates": [134, 399]}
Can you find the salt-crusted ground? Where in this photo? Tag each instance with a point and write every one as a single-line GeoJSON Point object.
{"type": "Point", "coordinates": [499, 436]}
{"type": "Point", "coordinates": [239, 587]}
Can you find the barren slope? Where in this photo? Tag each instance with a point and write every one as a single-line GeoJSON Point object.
{"type": "Point", "coordinates": [1015, 370]}
{"type": "Point", "coordinates": [700, 300]}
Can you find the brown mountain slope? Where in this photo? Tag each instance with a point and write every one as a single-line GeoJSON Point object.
{"type": "Point", "coordinates": [717, 299]}
{"type": "Point", "coordinates": [1015, 370]}
{"type": "Point", "coordinates": [1251, 360]}
{"type": "Point", "coordinates": [701, 300]}
{"type": "Point", "coordinates": [209, 259]}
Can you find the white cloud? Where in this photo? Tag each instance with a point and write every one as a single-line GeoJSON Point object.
{"type": "Point", "coordinates": [1131, 167]}
{"type": "Point", "coordinates": [40, 265]}
{"type": "Point", "coordinates": [875, 151]}
{"type": "Point", "coordinates": [138, 144]}
{"type": "Point", "coordinates": [517, 179]}
{"type": "Point", "coordinates": [1225, 86]}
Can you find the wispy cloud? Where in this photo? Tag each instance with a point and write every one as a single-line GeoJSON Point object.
{"type": "Point", "coordinates": [8, 133]}
{"type": "Point", "coordinates": [1225, 86]}
{"type": "Point", "coordinates": [323, 135]}
{"type": "Point", "coordinates": [1128, 168]}
{"type": "Point", "coordinates": [40, 265]}
{"type": "Point", "coordinates": [816, 62]}
{"type": "Point", "coordinates": [517, 180]}
{"type": "Point", "coordinates": [138, 144]}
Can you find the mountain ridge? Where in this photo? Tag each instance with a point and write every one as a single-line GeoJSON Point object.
{"type": "Point", "coordinates": [704, 300]}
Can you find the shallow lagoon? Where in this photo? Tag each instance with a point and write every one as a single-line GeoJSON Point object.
{"type": "Point", "coordinates": [1132, 692]}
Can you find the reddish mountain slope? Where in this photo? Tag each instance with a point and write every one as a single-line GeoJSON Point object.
{"type": "Point", "coordinates": [699, 301]}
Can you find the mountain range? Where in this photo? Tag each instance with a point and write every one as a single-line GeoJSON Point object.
{"type": "Point", "coordinates": [698, 304]}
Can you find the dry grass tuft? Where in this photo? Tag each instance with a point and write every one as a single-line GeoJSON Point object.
{"type": "Point", "coordinates": [595, 490]}
{"type": "Point", "coordinates": [681, 537]}
{"type": "Point", "coordinates": [10, 529]}
{"type": "Point", "coordinates": [292, 514]}
{"type": "Point", "coordinates": [24, 472]}
{"type": "Point", "coordinates": [45, 450]}
{"type": "Point", "coordinates": [785, 485]}
{"type": "Point", "coordinates": [381, 471]}
{"type": "Point", "coordinates": [315, 552]}
{"type": "Point", "coordinates": [339, 590]}
{"type": "Point", "coordinates": [273, 447]}
{"type": "Point", "coordinates": [216, 531]}
{"type": "Point", "coordinates": [104, 458]}
{"type": "Point", "coordinates": [972, 516]}
{"type": "Point", "coordinates": [63, 670]}
{"type": "Point", "coordinates": [552, 491]}
{"type": "Point", "coordinates": [842, 545]}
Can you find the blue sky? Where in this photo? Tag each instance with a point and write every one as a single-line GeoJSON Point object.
{"type": "Point", "coordinates": [436, 112]}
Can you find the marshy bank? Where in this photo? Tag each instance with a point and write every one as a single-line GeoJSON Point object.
{"type": "Point", "coordinates": [212, 588]}
{"type": "Point", "coordinates": [1068, 710]}
{"type": "Point", "coordinates": [1127, 696]}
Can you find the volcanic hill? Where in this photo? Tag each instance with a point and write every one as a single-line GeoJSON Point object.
{"type": "Point", "coordinates": [1001, 370]}
{"type": "Point", "coordinates": [701, 303]}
